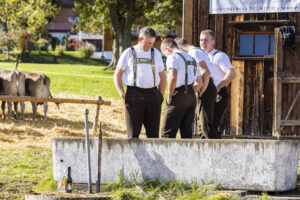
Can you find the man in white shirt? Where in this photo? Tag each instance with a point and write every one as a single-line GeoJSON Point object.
{"type": "Point", "coordinates": [222, 73]}
{"type": "Point", "coordinates": [184, 79]}
{"type": "Point", "coordinates": [207, 96]}
{"type": "Point", "coordinates": [141, 69]}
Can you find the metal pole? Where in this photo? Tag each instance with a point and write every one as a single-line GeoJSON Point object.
{"type": "Point", "coordinates": [88, 148]}
{"type": "Point", "coordinates": [183, 6]}
{"type": "Point", "coordinates": [98, 183]}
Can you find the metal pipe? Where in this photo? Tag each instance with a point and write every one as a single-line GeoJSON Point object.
{"type": "Point", "coordinates": [88, 149]}
{"type": "Point", "coordinates": [98, 183]}
{"type": "Point", "coordinates": [183, 6]}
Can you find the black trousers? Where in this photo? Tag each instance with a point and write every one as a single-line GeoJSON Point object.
{"type": "Point", "coordinates": [220, 108]}
{"type": "Point", "coordinates": [143, 106]}
{"type": "Point", "coordinates": [205, 111]}
{"type": "Point", "coordinates": [179, 114]}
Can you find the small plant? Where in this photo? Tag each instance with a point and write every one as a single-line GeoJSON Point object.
{"type": "Point", "coordinates": [265, 196]}
{"type": "Point", "coordinates": [87, 50]}
{"type": "Point", "coordinates": [59, 51]}
{"type": "Point", "coordinates": [41, 43]}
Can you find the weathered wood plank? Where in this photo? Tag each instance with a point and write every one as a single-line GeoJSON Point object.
{"type": "Point", "coordinates": [237, 99]}
{"type": "Point", "coordinates": [260, 91]}
{"type": "Point", "coordinates": [290, 122]}
{"type": "Point", "coordinates": [278, 66]}
{"type": "Point", "coordinates": [292, 105]}
{"type": "Point", "coordinates": [219, 31]}
{"type": "Point", "coordinates": [291, 80]}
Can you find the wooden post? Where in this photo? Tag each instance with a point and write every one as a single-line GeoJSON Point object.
{"type": "Point", "coordinates": [237, 99]}
{"type": "Point", "coordinates": [278, 66]}
{"type": "Point", "coordinates": [96, 116]}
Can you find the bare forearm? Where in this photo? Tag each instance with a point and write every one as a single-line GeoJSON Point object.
{"type": "Point", "coordinates": [162, 84]}
{"type": "Point", "coordinates": [229, 76]}
{"type": "Point", "coordinates": [119, 84]}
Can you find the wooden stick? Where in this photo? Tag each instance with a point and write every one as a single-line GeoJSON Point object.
{"type": "Point", "coordinates": [54, 100]}
{"type": "Point", "coordinates": [96, 116]}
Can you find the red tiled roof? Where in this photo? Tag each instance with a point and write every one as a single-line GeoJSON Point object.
{"type": "Point", "coordinates": [59, 26]}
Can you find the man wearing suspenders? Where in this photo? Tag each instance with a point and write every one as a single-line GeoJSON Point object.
{"type": "Point", "coordinates": [141, 69]}
{"type": "Point", "coordinates": [222, 73]}
{"type": "Point", "coordinates": [207, 95]}
{"type": "Point", "coordinates": [184, 79]}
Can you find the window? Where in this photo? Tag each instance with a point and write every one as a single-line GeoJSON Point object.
{"type": "Point", "coordinates": [256, 44]}
{"type": "Point", "coordinates": [73, 19]}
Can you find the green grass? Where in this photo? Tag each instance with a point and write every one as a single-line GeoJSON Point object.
{"type": "Point", "coordinates": [154, 190]}
{"type": "Point", "coordinates": [22, 170]}
{"type": "Point", "coordinates": [69, 57]}
{"type": "Point", "coordinates": [74, 78]}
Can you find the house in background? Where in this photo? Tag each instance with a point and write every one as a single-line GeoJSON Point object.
{"type": "Point", "coordinates": [61, 26]}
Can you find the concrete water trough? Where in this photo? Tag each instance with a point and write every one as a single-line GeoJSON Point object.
{"type": "Point", "coordinates": [243, 164]}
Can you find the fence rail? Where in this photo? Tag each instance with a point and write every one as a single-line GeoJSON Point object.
{"type": "Point", "coordinates": [54, 100]}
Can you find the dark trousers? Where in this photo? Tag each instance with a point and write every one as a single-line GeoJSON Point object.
{"type": "Point", "coordinates": [220, 108]}
{"type": "Point", "coordinates": [143, 106]}
{"type": "Point", "coordinates": [179, 114]}
{"type": "Point", "coordinates": [205, 111]}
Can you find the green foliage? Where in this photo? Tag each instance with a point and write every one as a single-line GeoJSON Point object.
{"type": "Point", "coordinates": [41, 43]}
{"type": "Point", "coordinates": [87, 50]}
{"type": "Point", "coordinates": [265, 196]}
{"type": "Point", "coordinates": [59, 50]}
{"type": "Point", "coordinates": [163, 16]}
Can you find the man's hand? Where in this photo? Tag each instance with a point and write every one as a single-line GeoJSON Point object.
{"type": "Point", "coordinates": [169, 99]}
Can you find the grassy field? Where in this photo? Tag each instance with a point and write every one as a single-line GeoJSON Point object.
{"type": "Point", "coordinates": [80, 79]}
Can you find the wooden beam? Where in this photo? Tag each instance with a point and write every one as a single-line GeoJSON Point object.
{"type": "Point", "coordinates": [54, 100]}
{"type": "Point", "coordinates": [278, 66]}
{"type": "Point", "coordinates": [219, 31]}
{"type": "Point", "coordinates": [292, 105]}
{"type": "Point", "coordinates": [260, 98]}
{"type": "Point", "coordinates": [290, 122]}
{"type": "Point", "coordinates": [291, 80]}
{"type": "Point", "coordinates": [188, 21]}
{"type": "Point", "coordinates": [237, 99]}
{"type": "Point", "coordinates": [258, 22]}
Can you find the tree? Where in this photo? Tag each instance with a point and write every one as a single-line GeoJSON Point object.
{"type": "Point", "coordinates": [121, 15]}
{"type": "Point", "coordinates": [31, 15]}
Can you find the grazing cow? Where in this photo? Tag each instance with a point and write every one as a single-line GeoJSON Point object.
{"type": "Point", "coordinates": [37, 85]}
{"type": "Point", "coordinates": [12, 83]}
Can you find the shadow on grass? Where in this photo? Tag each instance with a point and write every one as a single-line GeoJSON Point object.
{"type": "Point", "coordinates": [48, 57]}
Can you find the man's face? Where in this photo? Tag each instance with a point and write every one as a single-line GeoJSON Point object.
{"type": "Point", "coordinates": [207, 43]}
{"type": "Point", "coordinates": [146, 43]}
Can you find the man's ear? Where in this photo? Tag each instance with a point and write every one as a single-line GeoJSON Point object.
{"type": "Point", "coordinates": [140, 39]}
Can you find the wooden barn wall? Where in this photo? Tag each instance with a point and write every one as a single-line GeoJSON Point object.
{"type": "Point", "coordinates": [251, 102]}
{"type": "Point", "coordinates": [291, 68]}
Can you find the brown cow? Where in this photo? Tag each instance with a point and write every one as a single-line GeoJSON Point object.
{"type": "Point", "coordinates": [12, 83]}
{"type": "Point", "coordinates": [37, 85]}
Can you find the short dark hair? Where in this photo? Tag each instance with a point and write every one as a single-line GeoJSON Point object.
{"type": "Point", "coordinates": [168, 42]}
{"type": "Point", "coordinates": [209, 32]}
{"type": "Point", "coordinates": [147, 32]}
{"type": "Point", "coordinates": [181, 42]}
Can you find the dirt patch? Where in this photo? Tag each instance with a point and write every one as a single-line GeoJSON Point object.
{"type": "Point", "coordinates": [68, 120]}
